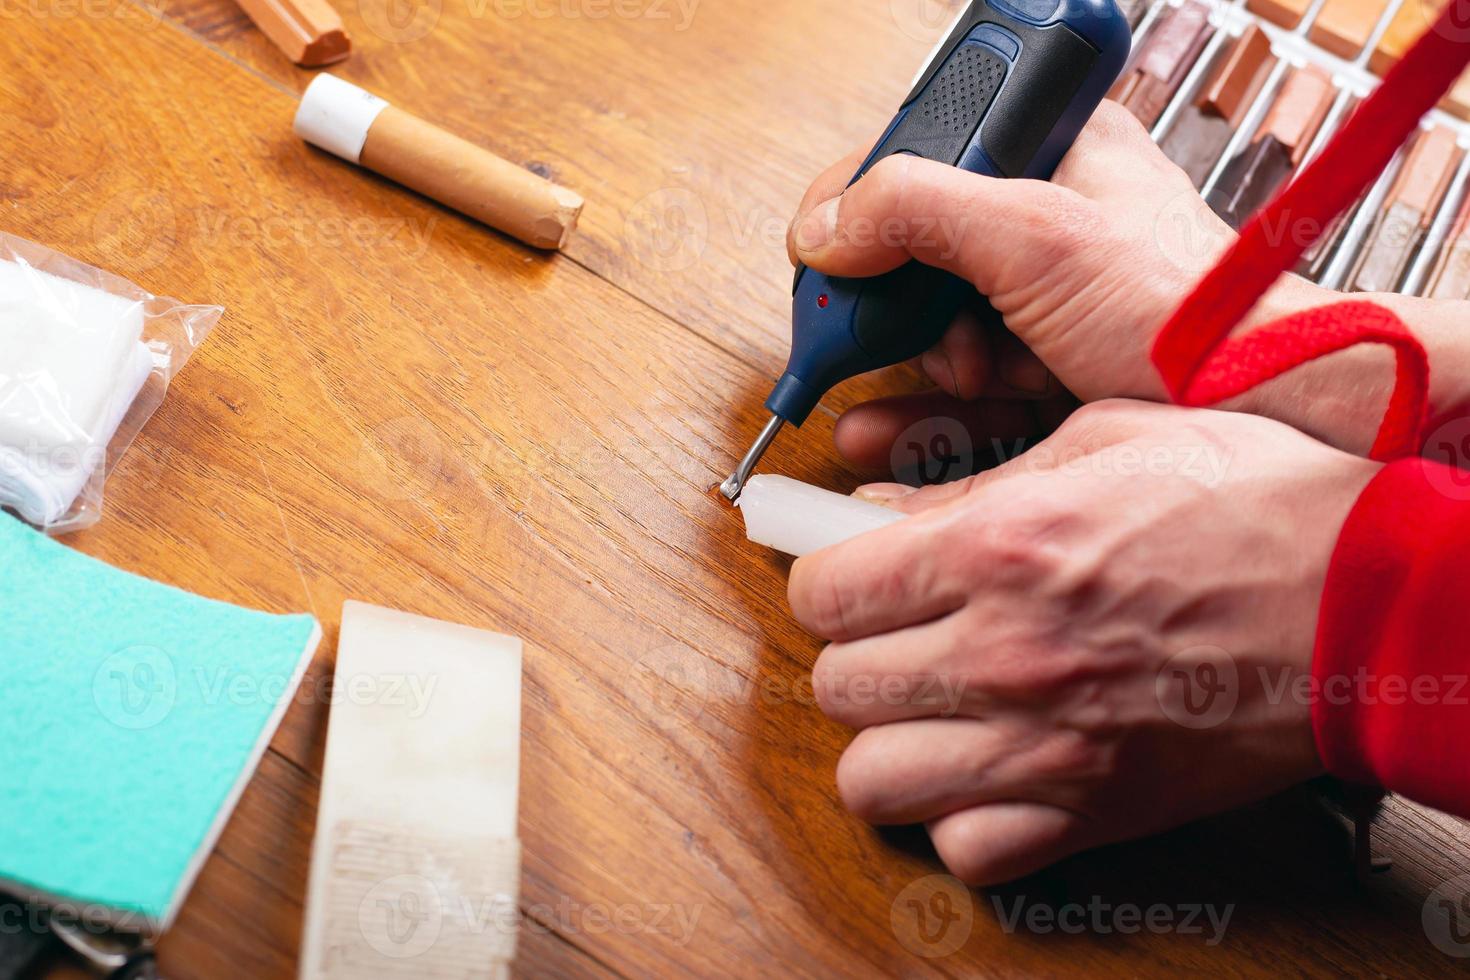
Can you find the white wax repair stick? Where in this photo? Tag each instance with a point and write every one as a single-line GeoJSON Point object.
{"type": "Point", "coordinates": [797, 518]}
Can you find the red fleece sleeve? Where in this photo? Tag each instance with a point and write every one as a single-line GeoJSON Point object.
{"type": "Point", "coordinates": [1391, 672]}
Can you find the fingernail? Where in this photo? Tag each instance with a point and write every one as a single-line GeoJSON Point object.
{"type": "Point", "coordinates": [882, 493]}
{"type": "Point", "coordinates": [1028, 375]}
{"type": "Point", "coordinates": [941, 372]}
{"type": "Point", "coordinates": [818, 227]}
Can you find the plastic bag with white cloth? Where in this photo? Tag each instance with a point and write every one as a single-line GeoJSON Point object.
{"type": "Point", "coordinates": [85, 359]}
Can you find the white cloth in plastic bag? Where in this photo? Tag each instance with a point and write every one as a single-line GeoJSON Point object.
{"type": "Point", "coordinates": [71, 362]}
{"type": "Point", "coordinates": [77, 351]}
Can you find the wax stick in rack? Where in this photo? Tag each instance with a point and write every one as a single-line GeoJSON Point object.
{"type": "Point", "coordinates": [1452, 274]}
{"type": "Point", "coordinates": [1287, 13]}
{"type": "Point", "coordinates": [1257, 172]}
{"type": "Point", "coordinates": [1412, 203]}
{"type": "Point", "coordinates": [359, 127]}
{"type": "Point", "coordinates": [1204, 129]}
{"type": "Point", "coordinates": [1344, 26]}
{"type": "Point", "coordinates": [1412, 20]}
{"type": "Point", "coordinates": [1164, 61]}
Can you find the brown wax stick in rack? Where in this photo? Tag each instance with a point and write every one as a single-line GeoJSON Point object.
{"type": "Point", "coordinates": [1451, 279]}
{"type": "Point", "coordinates": [1203, 130]}
{"type": "Point", "coordinates": [1134, 10]}
{"type": "Point", "coordinates": [309, 32]}
{"type": "Point", "coordinates": [1344, 26]}
{"type": "Point", "coordinates": [1412, 20]}
{"type": "Point", "coordinates": [1406, 27]}
{"type": "Point", "coordinates": [1165, 59]}
{"type": "Point", "coordinates": [1287, 13]}
{"type": "Point", "coordinates": [359, 127]}
{"type": "Point", "coordinates": [1263, 167]}
{"type": "Point", "coordinates": [1313, 263]}
{"type": "Point", "coordinates": [1408, 211]}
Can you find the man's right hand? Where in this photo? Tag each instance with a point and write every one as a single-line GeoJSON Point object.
{"type": "Point", "coordinates": [1084, 270]}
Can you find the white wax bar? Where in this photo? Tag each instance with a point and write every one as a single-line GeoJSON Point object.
{"type": "Point", "coordinates": [417, 815]}
{"type": "Point", "coordinates": [797, 518]}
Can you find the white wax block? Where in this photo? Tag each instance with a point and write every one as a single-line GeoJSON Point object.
{"type": "Point", "coordinates": [444, 752]}
{"type": "Point", "coordinates": [797, 518]}
{"type": "Point", "coordinates": [416, 824]}
{"type": "Point", "coordinates": [64, 349]}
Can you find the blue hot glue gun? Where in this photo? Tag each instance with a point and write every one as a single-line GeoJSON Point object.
{"type": "Point", "coordinates": [1005, 95]}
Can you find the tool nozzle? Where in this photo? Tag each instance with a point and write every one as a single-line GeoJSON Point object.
{"type": "Point", "coordinates": [732, 486]}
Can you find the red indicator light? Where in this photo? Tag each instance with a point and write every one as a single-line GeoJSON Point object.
{"type": "Point", "coordinates": [822, 301]}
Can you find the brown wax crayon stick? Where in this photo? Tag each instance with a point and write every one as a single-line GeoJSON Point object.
{"type": "Point", "coordinates": [309, 32]}
{"type": "Point", "coordinates": [358, 126]}
{"type": "Point", "coordinates": [1299, 110]}
{"type": "Point", "coordinates": [1408, 211]}
{"type": "Point", "coordinates": [1167, 55]}
{"type": "Point", "coordinates": [1203, 130]}
{"type": "Point", "coordinates": [1458, 101]}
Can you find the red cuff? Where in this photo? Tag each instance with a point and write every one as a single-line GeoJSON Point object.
{"type": "Point", "coordinates": [1392, 664]}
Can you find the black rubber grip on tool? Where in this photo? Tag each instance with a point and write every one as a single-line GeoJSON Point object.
{"type": "Point", "coordinates": [963, 89]}
{"type": "Point", "coordinates": [949, 111]}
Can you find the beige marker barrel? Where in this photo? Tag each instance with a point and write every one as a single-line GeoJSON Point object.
{"type": "Point", "coordinates": [358, 126]}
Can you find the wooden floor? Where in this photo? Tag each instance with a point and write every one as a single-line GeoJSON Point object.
{"type": "Point", "coordinates": [403, 407]}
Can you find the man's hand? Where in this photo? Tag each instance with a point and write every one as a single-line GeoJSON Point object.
{"type": "Point", "coordinates": [1084, 269]}
{"type": "Point", "coordinates": [1096, 641]}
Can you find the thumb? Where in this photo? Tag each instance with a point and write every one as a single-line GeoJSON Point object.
{"type": "Point", "coordinates": [987, 230]}
{"type": "Point", "coordinates": [913, 500]}
{"type": "Point", "coordinates": [1086, 431]}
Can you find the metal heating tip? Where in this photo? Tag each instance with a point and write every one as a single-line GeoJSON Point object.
{"type": "Point", "coordinates": [732, 487]}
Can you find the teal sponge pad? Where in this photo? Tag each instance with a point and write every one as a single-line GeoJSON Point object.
{"type": "Point", "coordinates": [131, 715]}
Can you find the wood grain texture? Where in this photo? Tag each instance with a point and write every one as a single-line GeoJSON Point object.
{"type": "Point", "coordinates": [688, 196]}
{"type": "Point", "coordinates": [405, 408]}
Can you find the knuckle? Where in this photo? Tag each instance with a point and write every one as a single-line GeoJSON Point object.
{"type": "Point", "coordinates": [826, 593]}
{"type": "Point", "coordinates": [1020, 551]}
{"type": "Point", "coordinates": [1101, 419]}
{"type": "Point", "coordinates": [1024, 674]}
{"type": "Point", "coordinates": [1071, 755]}
{"type": "Point", "coordinates": [890, 173]}
{"type": "Point", "coordinates": [828, 683]}
{"type": "Point", "coordinates": [809, 591]}
{"type": "Point", "coordinates": [1074, 225]}
{"type": "Point", "coordinates": [965, 854]}
{"type": "Point", "coordinates": [856, 782]}
{"type": "Point", "coordinates": [1115, 123]}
